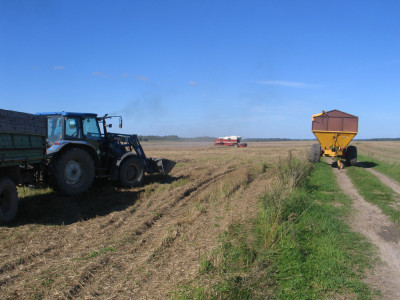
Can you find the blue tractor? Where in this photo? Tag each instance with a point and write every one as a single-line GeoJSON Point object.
{"type": "Point", "coordinates": [79, 151]}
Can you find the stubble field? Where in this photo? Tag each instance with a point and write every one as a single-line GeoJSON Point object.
{"type": "Point", "coordinates": [137, 243]}
{"type": "Point", "coordinates": [386, 151]}
{"type": "Point", "coordinates": [149, 242]}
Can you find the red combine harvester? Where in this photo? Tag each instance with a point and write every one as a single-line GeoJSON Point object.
{"type": "Point", "coordinates": [230, 141]}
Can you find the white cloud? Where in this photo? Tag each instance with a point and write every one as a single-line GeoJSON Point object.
{"type": "Point", "coordinates": [125, 75]}
{"type": "Point", "coordinates": [193, 83]}
{"type": "Point", "coordinates": [143, 78]}
{"type": "Point", "coordinates": [58, 67]}
{"type": "Point", "coordinates": [100, 74]}
{"type": "Point", "coordinates": [286, 83]}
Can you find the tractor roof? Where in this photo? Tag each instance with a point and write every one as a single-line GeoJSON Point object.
{"type": "Point", "coordinates": [68, 114]}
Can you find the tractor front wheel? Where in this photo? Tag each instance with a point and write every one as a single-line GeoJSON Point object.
{"type": "Point", "coordinates": [8, 200]}
{"type": "Point", "coordinates": [351, 156]}
{"type": "Point", "coordinates": [315, 153]}
{"type": "Point", "coordinates": [74, 171]}
{"type": "Point", "coordinates": [131, 172]}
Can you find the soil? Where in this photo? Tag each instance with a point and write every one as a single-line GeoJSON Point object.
{"type": "Point", "coordinates": [139, 243]}
{"type": "Point", "coordinates": [384, 234]}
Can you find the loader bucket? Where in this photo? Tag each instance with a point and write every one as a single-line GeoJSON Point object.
{"type": "Point", "coordinates": [162, 165]}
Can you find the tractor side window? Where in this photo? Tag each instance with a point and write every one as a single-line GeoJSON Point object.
{"type": "Point", "coordinates": [91, 129]}
{"type": "Point", "coordinates": [55, 129]}
{"type": "Point", "coordinates": [73, 128]}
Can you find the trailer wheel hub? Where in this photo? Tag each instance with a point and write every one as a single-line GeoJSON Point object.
{"type": "Point", "coordinates": [73, 172]}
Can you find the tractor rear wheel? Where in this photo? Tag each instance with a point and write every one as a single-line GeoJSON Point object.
{"type": "Point", "coordinates": [131, 172]}
{"type": "Point", "coordinates": [74, 171]}
{"type": "Point", "coordinates": [315, 153]}
{"type": "Point", "coordinates": [8, 200]}
{"type": "Point", "coordinates": [351, 156]}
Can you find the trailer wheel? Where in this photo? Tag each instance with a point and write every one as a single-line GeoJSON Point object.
{"type": "Point", "coordinates": [8, 200]}
{"type": "Point", "coordinates": [351, 156]}
{"type": "Point", "coordinates": [131, 172]}
{"type": "Point", "coordinates": [74, 171]}
{"type": "Point", "coordinates": [315, 153]}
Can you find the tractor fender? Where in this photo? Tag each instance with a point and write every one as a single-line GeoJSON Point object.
{"type": "Point", "coordinates": [60, 146]}
{"type": "Point", "coordinates": [117, 163]}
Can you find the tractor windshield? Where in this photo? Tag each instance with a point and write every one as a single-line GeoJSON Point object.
{"type": "Point", "coordinates": [73, 128]}
{"type": "Point", "coordinates": [91, 128]}
{"type": "Point", "coordinates": [55, 129]}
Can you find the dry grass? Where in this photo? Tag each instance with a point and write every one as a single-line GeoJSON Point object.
{"type": "Point", "coordinates": [113, 243]}
{"type": "Point", "coordinates": [387, 151]}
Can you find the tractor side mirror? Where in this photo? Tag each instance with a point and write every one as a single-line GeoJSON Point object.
{"type": "Point", "coordinates": [120, 122]}
{"type": "Point", "coordinates": [109, 125]}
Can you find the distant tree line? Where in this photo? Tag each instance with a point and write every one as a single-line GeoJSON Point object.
{"type": "Point", "coordinates": [379, 139]}
{"type": "Point", "coordinates": [267, 140]}
{"type": "Point", "coordinates": [175, 138]}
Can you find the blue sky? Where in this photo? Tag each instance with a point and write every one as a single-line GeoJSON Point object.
{"type": "Point", "coordinates": [195, 68]}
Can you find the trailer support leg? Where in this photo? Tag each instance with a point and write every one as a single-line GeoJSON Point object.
{"type": "Point", "coordinates": [340, 164]}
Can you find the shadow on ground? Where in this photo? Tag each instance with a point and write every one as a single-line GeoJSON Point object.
{"type": "Point", "coordinates": [103, 198]}
{"type": "Point", "coordinates": [366, 164]}
{"type": "Point", "coordinates": [363, 164]}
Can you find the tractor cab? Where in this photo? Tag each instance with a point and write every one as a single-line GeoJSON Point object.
{"type": "Point", "coordinates": [83, 130]}
{"type": "Point", "coordinates": [67, 126]}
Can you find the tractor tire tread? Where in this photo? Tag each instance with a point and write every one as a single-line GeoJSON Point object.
{"type": "Point", "coordinates": [137, 166]}
{"type": "Point", "coordinates": [88, 171]}
{"type": "Point", "coordinates": [8, 200]}
{"type": "Point", "coordinates": [315, 153]}
{"type": "Point", "coordinates": [351, 156]}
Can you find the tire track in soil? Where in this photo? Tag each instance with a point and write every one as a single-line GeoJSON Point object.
{"type": "Point", "coordinates": [11, 271]}
{"type": "Point", "coordinates": [169, 258]}
{"type": "Point", "coordinates": [146, 225]}
{"type": "Point", "coordinates": [9, 266]}
{"type": "Point", "coordinates": [384, 234]}
{"type": "Point", "coordinates": [389, 182]}
{"type": "Point", "coordinates": [19, 266]}
{"type": "Point", "coordinates": [88, 276]}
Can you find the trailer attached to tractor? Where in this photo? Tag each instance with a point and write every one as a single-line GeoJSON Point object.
{"type": "Point", "coordinates": [334, 130]}
{"type": "Point", "coordinates": [67, 151]}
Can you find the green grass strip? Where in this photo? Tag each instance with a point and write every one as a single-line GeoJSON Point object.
{"type": "Point", "coordinates": [313, 254]}
{"type": "Point", "coordinates": [390, 169]}
{"type": "Point", "coordinates": [321, 257]}
{"type": "Point", "coordinates": [374, 191]}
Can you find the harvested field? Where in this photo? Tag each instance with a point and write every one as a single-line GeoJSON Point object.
{"type": "Point", "coordinates": [138, 243]}
{"type": "Point", "coordinates": [387, 151]}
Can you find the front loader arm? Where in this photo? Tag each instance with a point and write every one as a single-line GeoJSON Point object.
{"type": "Point", "coordinates": [131, 143]}
{"type": "Point", "coordinates": [153, 165]}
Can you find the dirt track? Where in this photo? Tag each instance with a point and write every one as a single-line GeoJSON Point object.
{"type": "Point", "coordinates": [395, 186]}
{"type": "Point", "coordinates": [137, 243]}
{"type": "Point", "coordinates": [384, 234]}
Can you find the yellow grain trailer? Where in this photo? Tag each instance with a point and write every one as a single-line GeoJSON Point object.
{"type": "Point", "coordinates": [334, 130]}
